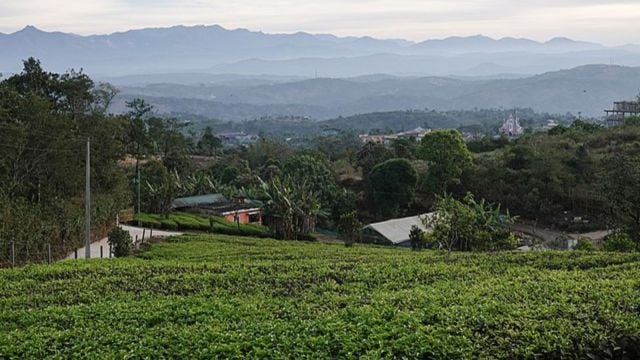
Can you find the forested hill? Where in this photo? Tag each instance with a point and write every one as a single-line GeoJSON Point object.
{"type": "Point", "coordinates": [586, 89]}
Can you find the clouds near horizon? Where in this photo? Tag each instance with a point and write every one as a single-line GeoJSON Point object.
{"type": "Point", "coordinates": [611, 22]}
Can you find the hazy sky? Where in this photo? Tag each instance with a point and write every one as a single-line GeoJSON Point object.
{"type": "Point", "coordinates": [610, 22]}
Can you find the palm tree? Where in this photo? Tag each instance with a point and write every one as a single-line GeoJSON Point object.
{"type": "Point", "coordinates": [293, 207]}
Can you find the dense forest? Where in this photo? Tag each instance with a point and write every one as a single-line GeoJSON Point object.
{"type": "Point", "coordinates": [335, 182]}
{"type": "Point", "coordinates": [45, 121]}
{"type": "Point", "coordinates": [583, 171]}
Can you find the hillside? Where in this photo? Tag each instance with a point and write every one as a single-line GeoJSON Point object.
{"type": "Point", "coordinates": [204, 297]}
{"type": "Point", "coordinates": [587, 89]}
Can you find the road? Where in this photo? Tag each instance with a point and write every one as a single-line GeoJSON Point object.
{"type": "Point", "coordinates": [135, 232]}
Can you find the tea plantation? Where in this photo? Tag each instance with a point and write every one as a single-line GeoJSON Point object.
{"type": "Point", "coordinates": [202, 297]}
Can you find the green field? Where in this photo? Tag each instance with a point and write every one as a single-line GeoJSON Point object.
{"type": "Point", "coordinates": [219, 296]}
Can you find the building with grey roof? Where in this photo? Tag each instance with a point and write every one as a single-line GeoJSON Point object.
{"type": "Point", "coordinates": [393, 232]}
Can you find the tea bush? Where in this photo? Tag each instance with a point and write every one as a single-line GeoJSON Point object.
{"type": "Point", "coordinates": [194, 222]}
{"type": "Point", "coordinates": [216, 296]}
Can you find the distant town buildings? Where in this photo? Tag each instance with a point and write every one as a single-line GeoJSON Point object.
{"type": "Point", "coordinates": [327, 131]}
{"type": "Point", "coordinates": [511, 127]}
{"type": "Point", "coordinates": [237, 138]}
{"type": "Point", "coordinates": [622, 110]}
{"type": "Point", "coordinates": [551, 123]}
{"type": "Point", "coordinates": [417, 134]}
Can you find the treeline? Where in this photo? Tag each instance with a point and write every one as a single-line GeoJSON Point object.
{"type": "Point", "coordinates": [570, 177]}
{"type": "Point", "coordinates": [45, 121]}
{"type": "Point", "coordinates": [479, 121]}
{"type": "Point", "coordinates": [581, 177]}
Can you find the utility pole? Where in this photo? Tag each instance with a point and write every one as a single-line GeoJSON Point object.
{"type": "Point", "coordinates": [87, 208]}
{"type": "Point", "coordinates": [138, 213]}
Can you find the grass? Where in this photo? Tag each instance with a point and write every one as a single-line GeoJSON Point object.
{"type": "Point", "coordinates": [215, 296]}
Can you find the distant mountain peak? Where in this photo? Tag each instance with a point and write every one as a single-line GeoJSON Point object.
{"type": "Point", "coordinates": [29, 29]}
{"type": "Point", "coordinates": [560, 40]}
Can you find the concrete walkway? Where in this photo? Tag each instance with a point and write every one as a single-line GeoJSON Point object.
{"type": "Point", "coordinates": [133, 231]}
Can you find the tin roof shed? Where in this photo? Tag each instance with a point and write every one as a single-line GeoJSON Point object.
{"type": "Point", "coordinates": [397, 230]}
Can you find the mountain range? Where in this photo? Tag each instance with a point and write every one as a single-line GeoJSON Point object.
{"type": "Point", "coordinates": [216, 50]}
{"type": "Point", "coordinates": [240, 74]}
{"type": "Point", "coordinates": [586, 89]}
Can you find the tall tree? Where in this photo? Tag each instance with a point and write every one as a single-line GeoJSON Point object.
{"type": "Point", "coordinates": [390, 187]}
{"type": "Point", "coordinates": [45, 119]}
{"type": "Point", "coordinates": [314, 170]}
{"type": "Point", "coordinates": [139, 112]}
{"type": "Point", "coordinates": [209, 143]}
{"type": "Point", "coordinates": [447, 156]}
{"type": "Point", "coordinates": [372, 154]}
{"type": "Point", "coordinates": [104, 94]}
{"type": "Point", "coordinates": [291, 208]}
{"type": "Point", "coordinates": [621, 186]}
{"type": "Point", "coordinates": [165, 138]}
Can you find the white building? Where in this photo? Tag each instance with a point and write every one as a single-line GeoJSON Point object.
{"type": "Point", "coordinates": [394, 231]}
{"type": "Point", "coordinates": [511, 126]}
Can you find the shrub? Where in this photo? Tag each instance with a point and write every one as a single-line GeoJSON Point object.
{"type": "Point", "coordinates": [417, 238]}
{"type": "Point", "coordinates": [306, 237]}
{"type": "Point", "coordinates": [619, 242]}
{"type": "Point", "coordinates": [469, 225]}
{"type": "Point", "coordinates": [503, 240]}
{"type": "Point", "coordinates": [584, 244]}
{"type": "Point", "coordinates": [349, 228]}
{"type": "Point", "coordinates": [120, 242]}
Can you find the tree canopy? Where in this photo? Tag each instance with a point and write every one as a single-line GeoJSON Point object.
{"type": "Point", "coordinates": [447, 155]}
{"type": "Point", "coordinates": [391, 187]}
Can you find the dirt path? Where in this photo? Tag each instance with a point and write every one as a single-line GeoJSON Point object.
{"type": "Point", "coordinates": [135, 232]}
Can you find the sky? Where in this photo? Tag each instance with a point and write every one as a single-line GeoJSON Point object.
{"type": "Point", "coordinates": [610, 22]}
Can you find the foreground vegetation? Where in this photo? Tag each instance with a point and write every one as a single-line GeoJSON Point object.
{"type": "Point", "coordinates": [218, 296]}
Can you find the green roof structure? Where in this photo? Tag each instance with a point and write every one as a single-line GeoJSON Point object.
{"type": "Point", "coordinates": [192, 201]}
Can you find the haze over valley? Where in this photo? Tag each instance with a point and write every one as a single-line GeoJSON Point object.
{"type": "Point", "coordinates": [240, 74]}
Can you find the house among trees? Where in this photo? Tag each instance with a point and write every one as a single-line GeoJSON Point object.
{"type": "Point", "coordinates": [393, 232]}
{"type": "Point", "coordinates": [239, 209]}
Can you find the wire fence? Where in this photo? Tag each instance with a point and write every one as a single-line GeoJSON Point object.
{"type": "Point", "coordinates": [15, 255]}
